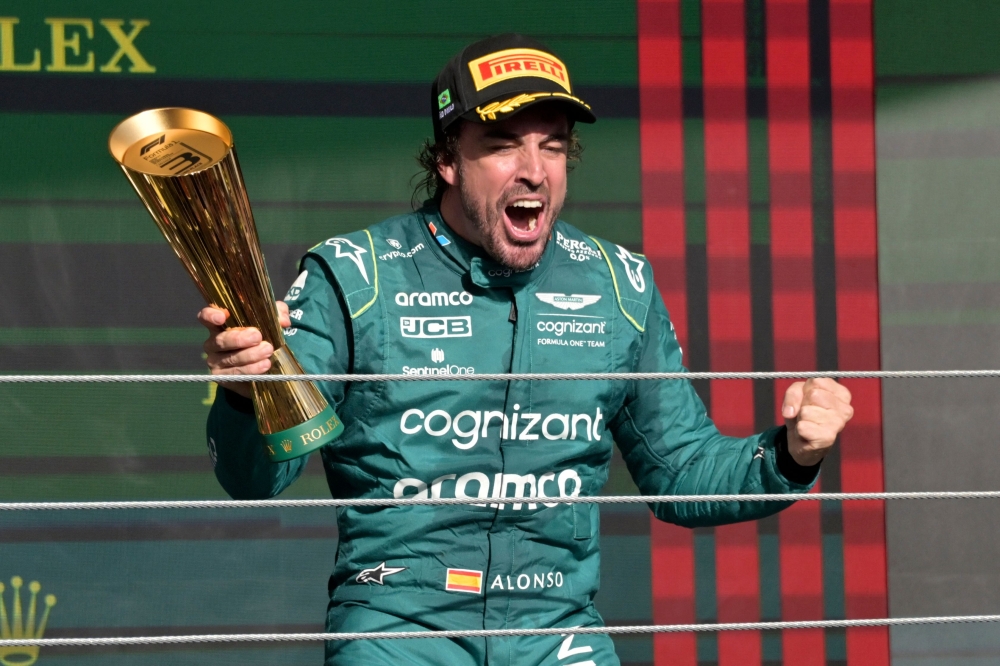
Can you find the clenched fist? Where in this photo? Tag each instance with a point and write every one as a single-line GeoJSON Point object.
{"type": "Point", "coordinates": [815, 412]}
{"type": "Point", "coordinates": [237, 351]}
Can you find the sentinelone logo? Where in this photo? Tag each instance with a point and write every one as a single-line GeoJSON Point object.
{"type": "Point", "coordinates": [69, 44]}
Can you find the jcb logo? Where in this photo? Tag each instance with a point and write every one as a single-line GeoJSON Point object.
{"type": "Point", "coordinates": [69, 41]}
{"type": "Point", "coordinates": [436, 327]}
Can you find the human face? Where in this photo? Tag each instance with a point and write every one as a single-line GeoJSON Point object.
{"type": "Point", "coordinates": [508, 184]}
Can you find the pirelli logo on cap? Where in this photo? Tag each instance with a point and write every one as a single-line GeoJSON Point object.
{"type": "Point", "coordinates": [515, 63]}
{"type": "Point", "coordinates": [464, 580]}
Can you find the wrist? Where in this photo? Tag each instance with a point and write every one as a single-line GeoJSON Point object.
{"type": "Point", "coordinates": [790, 466]}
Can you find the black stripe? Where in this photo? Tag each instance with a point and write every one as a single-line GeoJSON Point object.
{"type": "Point", "coordinates": [698, 359]}
{"type": "Point", "coordinates": [693, 102]}
{"type": "Point", "coordinates": [762, 324]}
{"type": "Point", "coordinates": [109, 285]}
{"type": "Point", "coordinates": [66, 465]}
{"type": "Point", "coordinates": [825, 285]}
{"type": "Point", "coordinates": [824, 259]}
{"type": "Point", "coordinates": [935, 79]}
{"type": "Point", "coordinates": [122, 358]}
{"type": "Point", "coordinates": [43, 93]}
{"type": "Point", "coordinates": [201, 530]}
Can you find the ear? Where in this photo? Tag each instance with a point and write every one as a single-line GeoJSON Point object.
{"type": "Point", "coordinates": [449, 172]}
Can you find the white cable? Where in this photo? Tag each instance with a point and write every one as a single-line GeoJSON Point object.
{"type": "Point", "coordinates": [529, 376]}
{"type": "Point", "coordinates": [496, 633]}
{"type": "Point", "coordinates": [462, 501]}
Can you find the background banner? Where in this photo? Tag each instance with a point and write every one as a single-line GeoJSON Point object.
{"type": "Point", "coordinates": [737, 148]}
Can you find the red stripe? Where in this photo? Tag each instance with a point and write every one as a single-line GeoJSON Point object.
{"type": "Point", "coordinates": [662, 153]}
{"type": "Point", "coordinates": [793, 300]}
{"type": "Point", "coordinates": [855, 239]}
{"type": "Point", "coordinates": [662, 156]}
{"type": "Point", "coordinates": [728, 251]}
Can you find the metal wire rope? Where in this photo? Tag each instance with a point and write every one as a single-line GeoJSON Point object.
{"type": "Point", "coordinates": [464, 501]}
{"type": "Point", "coordinates": [524, 376]}
{"type": "Point", "coordinates": [496, 633]}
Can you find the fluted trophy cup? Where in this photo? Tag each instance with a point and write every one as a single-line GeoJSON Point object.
{"type": "Point", "coordinates": [182, 164]}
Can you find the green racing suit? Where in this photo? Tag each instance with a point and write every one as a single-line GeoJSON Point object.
{"type": "Point", "coordinates": [408, 296]}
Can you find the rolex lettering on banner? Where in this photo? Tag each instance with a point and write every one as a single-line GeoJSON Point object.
{"type": "Point", "coordinates": [74, 45]}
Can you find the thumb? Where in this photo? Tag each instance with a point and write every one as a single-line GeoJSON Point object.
{"type": "Point", "coordinates": [793, 401]}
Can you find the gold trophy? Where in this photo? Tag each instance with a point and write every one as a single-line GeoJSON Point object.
{"type": "Point", "coordinates": [182, 164]}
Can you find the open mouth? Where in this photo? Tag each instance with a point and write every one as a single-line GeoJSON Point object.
{"type": "Point", "coordinates": [524, 219]}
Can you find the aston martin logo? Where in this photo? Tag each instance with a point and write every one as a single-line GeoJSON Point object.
{"type": "Point", "coordinates": [377, 574]}
{"type": "Point", "coordinates": [571, 302]}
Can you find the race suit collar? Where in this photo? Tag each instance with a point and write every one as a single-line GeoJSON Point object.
{"type": "Point", "coordinates": [471, 259]}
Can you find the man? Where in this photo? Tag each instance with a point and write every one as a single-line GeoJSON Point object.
{"type": "Point", "coordinates": [484, 279]}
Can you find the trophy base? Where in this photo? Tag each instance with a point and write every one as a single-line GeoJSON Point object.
{"type": "Point", "coordinates": [303, 438]}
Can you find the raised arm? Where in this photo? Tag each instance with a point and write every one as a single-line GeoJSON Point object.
{"type": "Point", "coordinates": [672, 447]}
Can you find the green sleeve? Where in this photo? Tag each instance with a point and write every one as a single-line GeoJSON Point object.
{"type": "Point", "coordinates": [320, 341]}
{"type": "Point", "coordinates": [672, 447]}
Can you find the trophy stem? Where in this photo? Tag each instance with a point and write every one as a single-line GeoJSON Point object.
{"type": "Point", "coordinates": [293, 416]}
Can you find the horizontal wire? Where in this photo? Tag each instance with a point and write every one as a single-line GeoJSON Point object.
{"type": "Point", "coordinates": [493, 501]}
{"type": "Point", "coordinates": [497, 633]}
{"type": "Point", "coordinates": [504, 377]}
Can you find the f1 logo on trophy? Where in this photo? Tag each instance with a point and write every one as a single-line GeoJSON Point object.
{"type": "Point", "coordinates": [182, 164]}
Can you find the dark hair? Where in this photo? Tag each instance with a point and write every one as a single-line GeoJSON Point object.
{"type": "Point", "coordinates": [430, 186]}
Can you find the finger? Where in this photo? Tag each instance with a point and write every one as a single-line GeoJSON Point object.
{"type": "Point", "coordinates": [213, 318]}
{"type": "Point", "coordinates": [257, 368]}
{"type": "Point", "coordinates": [830, 402]}
{"type": "Point", "coordinates": [243, 357]}
{"type": "Point", "coordinates": [793, 400]}
{"type": "Point", "coordinates": [820, 398]}
{"type": "Point", "coordinates": [232, 339]}
{"type": "Point", "coordinates": [842, 392]}
{"type": "Point", "coordinates": [283, 319]}
{"type": "Point", "coordinates": [831, 385]}
{"type": "Point", "coordinates": [820, 415]}
{"type": "Point", "coordinates": [815, 437]}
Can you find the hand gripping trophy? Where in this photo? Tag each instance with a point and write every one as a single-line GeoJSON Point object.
{"type": "Point", "coordinates": [182, 164]}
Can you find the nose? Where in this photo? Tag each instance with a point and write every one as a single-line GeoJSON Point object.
{"type": "Point", "coordinates": [532, 171]}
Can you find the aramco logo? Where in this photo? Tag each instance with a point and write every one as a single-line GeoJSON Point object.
{"type": "Point", "coordinates": [14, 625]}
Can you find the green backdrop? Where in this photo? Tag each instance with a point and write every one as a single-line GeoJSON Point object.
{"type": "Point", "coordinates": [328, 103]}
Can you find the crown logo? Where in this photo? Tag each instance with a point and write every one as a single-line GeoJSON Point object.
{"type": "Point", "coordinates": [286, 444]}
{"type": "Point", "coordinates": [15, 627]}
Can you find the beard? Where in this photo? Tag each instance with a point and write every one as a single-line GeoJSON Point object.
{"type": "Point", "coordinates": [488, 220]}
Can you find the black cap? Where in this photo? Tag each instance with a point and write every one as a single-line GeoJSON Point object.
{"type": "Point", "coordinates": [496, 77]}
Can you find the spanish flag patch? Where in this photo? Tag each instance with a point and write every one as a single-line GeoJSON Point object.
{"type": "Point", "coordinates": [464, 580]}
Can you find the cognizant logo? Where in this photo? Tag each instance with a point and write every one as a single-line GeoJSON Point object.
{"type": "Point", "coordinates": [469, 425]}
{"type": "Point", "coordinates": [437, 298]}
{"type": "Point", "coordinates": [561, 327]}
{"type": "Point", "coordinates": [477, 485]}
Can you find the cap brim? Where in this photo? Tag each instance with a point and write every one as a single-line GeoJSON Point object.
{"type": "Point", "coordinates": [507, 106]}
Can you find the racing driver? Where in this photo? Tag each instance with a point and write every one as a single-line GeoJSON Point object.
{"type": "Point", "coordinates": [485, 278]}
